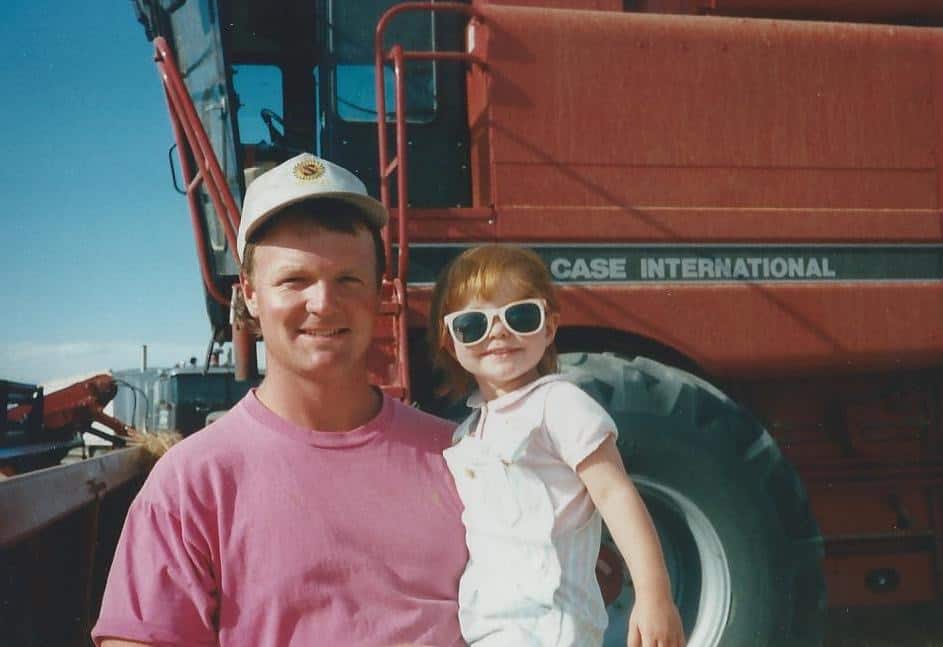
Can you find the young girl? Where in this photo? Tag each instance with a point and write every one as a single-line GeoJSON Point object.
{"type": "Point", "coordinates": [535, 465]}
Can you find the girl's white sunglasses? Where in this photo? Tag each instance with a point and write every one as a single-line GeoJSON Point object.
{"type": "Point", "coordinates": [470, 326]}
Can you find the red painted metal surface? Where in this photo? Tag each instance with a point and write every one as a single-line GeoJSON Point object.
{"type": "Point", "coordinates": [399, 165]}
{"type": "Point", "coordinates": [191, 137]}
{"type": "Point", "coordinates": [388, 361]}
{"type": "Point", "coordinates": [193, 206]}
{"type": "Point", "coordinates": [716, 131]}
{"type": "Point", "coordinates": [866, 446]}
{"type": "Point", "coordinates": [671, 126]}
{"type": "Point", "coordinates": [77, 405]}
{"type": "Point", "coordinates": [243, 341]}
{"type": "Point", "coordinates": [590, 5]}
{"type": "Point", "coordinates": [928, 12]}
{"type": "Point", "coordinates": [859, 10]}
{"type": "Point", "coordinates": [717, 225]}
{"type": "Point", "coordinates": [737, 331]}
{"type": "Point", "coordinates": [912, 568]}
{"type": "Point", "coordinates": [609, 224]}
{"type": "Point", "coordinates": [712, 131]}
{"type": "Point", "coordinates": [402, 169]}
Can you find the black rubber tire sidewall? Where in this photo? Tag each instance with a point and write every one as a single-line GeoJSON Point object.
{"type": "Point", "coordinates": [678, 432]}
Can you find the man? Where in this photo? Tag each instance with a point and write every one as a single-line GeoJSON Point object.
{"type": "Point", "coordinates": [316, 511]}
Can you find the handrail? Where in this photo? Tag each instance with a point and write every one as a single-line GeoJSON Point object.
{"type": "Point", "coordinates": [402, 337]}
{"type": "Point", "coordinates": [399, 164]}
{"type": "Point", "coordinates": [194, 209]}
{"type": "Point", "coordinates": [191, 136]}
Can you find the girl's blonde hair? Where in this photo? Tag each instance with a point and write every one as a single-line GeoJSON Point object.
{"type": "Point", "coordinates": [480, 272]}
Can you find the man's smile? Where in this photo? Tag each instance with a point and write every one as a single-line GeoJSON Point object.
{"type": "Point", "coordinates": [323, 332]}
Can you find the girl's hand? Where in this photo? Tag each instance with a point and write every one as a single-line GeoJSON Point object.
{"type": "Point", "coordinates": [655, 622]}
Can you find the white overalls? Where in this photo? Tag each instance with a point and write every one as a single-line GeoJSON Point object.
{"type": "Point", "coordinates": [532, 532]}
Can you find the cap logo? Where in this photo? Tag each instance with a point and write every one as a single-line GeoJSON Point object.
{"type": "Point", "coordinates": [310, 169]}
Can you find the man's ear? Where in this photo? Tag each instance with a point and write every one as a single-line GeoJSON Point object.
{"type": "Point", "coordinates": [249, 295]}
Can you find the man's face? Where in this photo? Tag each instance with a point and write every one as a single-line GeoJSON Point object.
{"type": "Point", "coordinates": [314, 293]}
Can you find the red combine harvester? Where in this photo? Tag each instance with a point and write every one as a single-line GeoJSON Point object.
{"type": "Point", "coordinates": [740, 200]}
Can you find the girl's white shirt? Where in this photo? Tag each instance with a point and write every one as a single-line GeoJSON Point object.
{"type": "Point", "coordinates": [532, 530]}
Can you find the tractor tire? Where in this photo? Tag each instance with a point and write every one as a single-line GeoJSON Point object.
{"type": "Point", "coordinates": [743, 551]}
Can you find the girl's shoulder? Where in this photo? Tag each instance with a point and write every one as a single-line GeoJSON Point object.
{"type": "Point", "coordinates": [568, 406]}
{"type": "Point", "coordinates": [575, 424]}
{"type": "Point", "coordinates": [564, 394]}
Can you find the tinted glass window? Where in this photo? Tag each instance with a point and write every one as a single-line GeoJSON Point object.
{"type": "Point", "coordinates": [258, 88]}
{"type": "Point", "coordinates": [350, 40]}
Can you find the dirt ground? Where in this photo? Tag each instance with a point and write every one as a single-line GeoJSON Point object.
{"type": "Point", "coordinates": [912, 626]}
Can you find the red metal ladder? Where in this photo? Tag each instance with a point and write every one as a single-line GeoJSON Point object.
{"type": "Point", "coordinates": [392, 339]}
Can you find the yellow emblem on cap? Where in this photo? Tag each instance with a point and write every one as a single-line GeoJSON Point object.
{"type": "Point", "coordinates": [310, 169]}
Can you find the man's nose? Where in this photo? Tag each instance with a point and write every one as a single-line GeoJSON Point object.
{"type": "Point", "coordinates": [319, 298]}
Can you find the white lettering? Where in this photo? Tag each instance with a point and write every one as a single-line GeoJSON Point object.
{"type": "Point", "coordinates": [705, 268]}
{"type": "Point", "coordinates": [599, 268]}
{"type": "Point", "coordinates": [740, 270]}
{"type": "Point", "coordinates": [656, 268]}
{"type": "Point", "coordinates": [813, 269]}
{"type": "Point", "coordinates": [672, 267]}
{"type": "Point", "coordinates": [560, 268]}
{"type": "Point", "coordinates": [695, 267]}
{"type": "Point", "coordinates": [580, 269]}
{"type": "Point", "coordinates": [796, 270]}
{"type": "Point", "coordinates": [617, 268]}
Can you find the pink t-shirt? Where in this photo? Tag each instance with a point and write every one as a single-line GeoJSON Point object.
{"type": "Point", "coordinates": [264, 533]}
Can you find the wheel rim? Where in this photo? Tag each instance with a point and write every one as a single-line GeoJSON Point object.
{"type": "Point", "coordinates": [697, 566]}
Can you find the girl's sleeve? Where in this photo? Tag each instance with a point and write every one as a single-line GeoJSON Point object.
{"type": "Point", "coordinates": [576, 424]}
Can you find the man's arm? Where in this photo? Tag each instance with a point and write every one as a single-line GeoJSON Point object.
{"type": "Point", "coordinates": [160, 587]}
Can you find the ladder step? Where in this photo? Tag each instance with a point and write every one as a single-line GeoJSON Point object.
{"type": "Point", "coordinates": [384, 363]}
{"type": "Point", "coordinates": [390, 308]}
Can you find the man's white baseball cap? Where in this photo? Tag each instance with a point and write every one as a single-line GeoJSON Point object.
{"type": "Point", "coordinates": [302, 178]}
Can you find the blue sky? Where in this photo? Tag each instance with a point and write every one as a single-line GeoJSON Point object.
{"type": "Point", "coordinates": [96, 253]}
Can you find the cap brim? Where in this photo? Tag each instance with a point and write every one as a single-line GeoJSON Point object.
{"type": "Point", "coordinates": [374, 210]}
